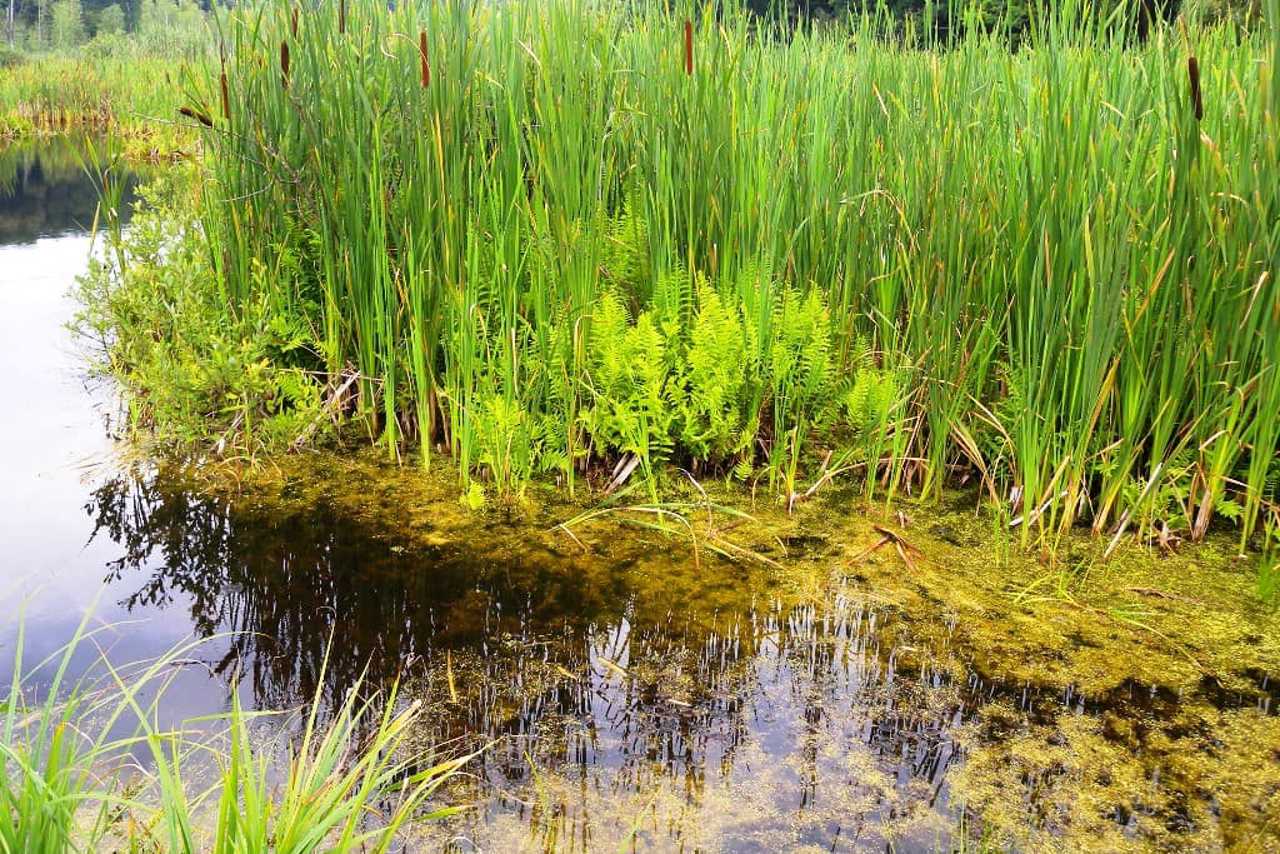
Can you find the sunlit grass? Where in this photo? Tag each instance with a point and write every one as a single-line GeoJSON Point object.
{"type": "Point", "coordinates": [85, 765]}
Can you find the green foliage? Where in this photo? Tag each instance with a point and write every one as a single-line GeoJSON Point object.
{"type": "Point", "coordinates": [871, 399]}
{"type": "Point", "coordinates": [67, 24]}
{"type": "Point", "coordinates": [628, 377]}
{"type": "Point", "coordinates": [186, 363]}
{"type": "Point", "coordinates": [109, 21]}
{"type": "Point", "coordinates": [68, 783]}
{"type": "Point", "coordinates": [714, 391]}
{"type": "Point", "coordinates": [798, 361]}
{"type": "Point", "coordinates": [1074, 307]}
{"type": "Point", "coordinates": [626, 252]}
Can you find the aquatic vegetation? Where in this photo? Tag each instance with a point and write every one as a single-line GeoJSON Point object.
{"type": "Point", "coordinates": [560, 239]}
{"type": "Point", "coordinates": [86, 765]}
{"type": "Point", "coordinates": [133, 94]}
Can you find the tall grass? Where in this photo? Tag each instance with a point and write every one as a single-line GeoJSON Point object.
{"type": "Point", "coordinates": [544, 235]}
{"type": "Point", "coordinates": [132, 94]}
{"type": "Point", "coordinates": [86, 766]}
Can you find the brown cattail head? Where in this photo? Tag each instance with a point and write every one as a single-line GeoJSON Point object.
{"type": "Point", "coordinates": [199, 116]}
{"type": "Point", "coordinates": [1193, 74]}
{"type": "Point", "coordinates": [342, 16]}
{"type": "Point", "coordinates": [422, 56]}
{"type": "Point", "coordinates": [688, 47]}
{"type": "Point", "coordinates": [293, 23]}
{"type": "Point", "coordinates": [226, 97]}
{"type": "Point", "coordinates": [284, 64]}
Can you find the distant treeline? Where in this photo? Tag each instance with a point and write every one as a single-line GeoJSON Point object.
{"type": "Point", "coordinates": [1015, 16]}
{"type": "Point", "coordinates": [34, 25]}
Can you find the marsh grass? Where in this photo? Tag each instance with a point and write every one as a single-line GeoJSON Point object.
{"type": "Point", "coordinates": [563, 240]}
{"type": "Point", "coordinates": [134, 96]}
{"type": "Point", "coordinates": [85, 765]}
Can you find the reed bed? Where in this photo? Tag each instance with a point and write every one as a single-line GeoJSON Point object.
{"type": "Point", "coordinates": [130, 94]}
{"type": "Point", "coordinates": [571, 239]}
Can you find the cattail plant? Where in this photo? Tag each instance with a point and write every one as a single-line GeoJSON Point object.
{"type": "Point", "coordinates": [225, 93]}
{"type": "Point", "coordinates": [1193, 76]}
{"type": "Point", "coordinates": [425, 66]}
{"type": "Point", "coordinates": [198, 115]}
{"type": "Point", "coordinates": [688, 47]}
{"type": "Point", "coordinates": [1024, 314]}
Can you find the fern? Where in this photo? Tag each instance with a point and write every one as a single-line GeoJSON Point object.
{"type": "Point", "coordinates": [800, 369]}
{"type": "Point", "coordinates": [628, 380]}
{"type": "Point", "coordinates": [719, 373]}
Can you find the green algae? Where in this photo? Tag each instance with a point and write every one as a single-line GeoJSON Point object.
{"type": "Point", "coordinates": [1081, 704]}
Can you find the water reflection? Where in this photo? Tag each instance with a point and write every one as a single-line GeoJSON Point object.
{"type": "Point", "coordinates": [631, 699]}
{"type": "Point", "coordinates": [45, 190]}
{"type": "Point", "coordinates": [822, 710]}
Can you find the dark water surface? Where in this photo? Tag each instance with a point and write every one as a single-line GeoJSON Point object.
{"type": "Point", "coordinates": [627, 698]}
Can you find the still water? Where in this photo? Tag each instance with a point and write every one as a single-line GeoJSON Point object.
{"type": "Point", "coordinates": [627, 698]}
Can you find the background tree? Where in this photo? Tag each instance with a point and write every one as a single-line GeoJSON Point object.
{"type": "Point", "coordinates": [67, 24]}
{"type": "Point", "coordinates": [109, 21]}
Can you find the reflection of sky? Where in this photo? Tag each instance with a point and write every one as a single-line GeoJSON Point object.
{"type": "Point", "coordinates": [53, 449]}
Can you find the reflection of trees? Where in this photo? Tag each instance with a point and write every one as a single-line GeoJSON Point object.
{"type": "Point", "coordinates": [526, 640]}
{"type": "Point", "coordinates": [285, 578]}
{"type": "Point", "coordinates": [44, 190]}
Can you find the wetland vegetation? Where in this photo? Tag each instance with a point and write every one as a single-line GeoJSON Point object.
{"type": "Point", "coordinates": [658, 427]}
{"type": "Point", "coordinates": [595, 246]}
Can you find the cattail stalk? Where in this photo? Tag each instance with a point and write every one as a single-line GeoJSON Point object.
{"type": "Point", "coordinates": [688, 47]}
{"type": "Point", "coordinates": [422, 56]}
{"type": "Point", "coordinates": [1193, 74]}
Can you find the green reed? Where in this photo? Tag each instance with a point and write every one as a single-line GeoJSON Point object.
{"type": "Point", "coordinates": [85, 765]}
{"type": "Point", "coordinates": [533, 230]}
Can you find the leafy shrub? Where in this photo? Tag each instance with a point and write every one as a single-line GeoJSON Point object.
{"type": "Point", "coordinates": [156, 312]}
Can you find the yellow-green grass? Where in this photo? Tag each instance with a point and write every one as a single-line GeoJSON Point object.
{"type": "Point", "coordinates": [134, 97]}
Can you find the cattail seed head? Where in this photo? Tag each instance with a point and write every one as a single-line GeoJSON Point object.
{"type": "Point", "coordinates": [226, 97]}
{"type": "Point", "coordinates": [199, 116]}
{"type": "Point", "coordinates": [284, 63]}
{"type": "Point", "coordinates": [293, 23]}
{"type": "Point", "coordinates": [342, 16]}
{"type": "Point", "coordinates": [1193, 75]}
{"type": "Point", "coordinates": [688, 47]}
{"type": "Point", "coordinates": [422, 56]}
